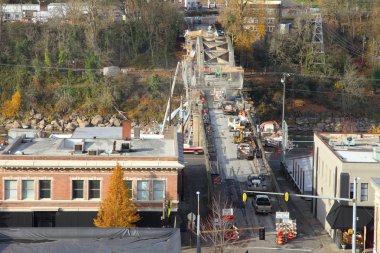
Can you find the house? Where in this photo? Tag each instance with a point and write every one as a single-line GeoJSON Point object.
{"type": "Point", "coordinates": [338, 159]}
{"type": "Point", "coordinates": [60, 182]}
{"type": "Point", "coordinates": [17, 12]}
{"type": "Point", "coordinates": [375, 183]}
{"type": "Point", "coordinates": [263, 13]}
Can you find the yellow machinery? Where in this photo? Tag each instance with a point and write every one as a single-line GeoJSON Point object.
{"type": "Point", "coordinates": [239, 136]}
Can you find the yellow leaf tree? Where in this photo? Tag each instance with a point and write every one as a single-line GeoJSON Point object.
{"type": "Point", "coordinates": [246, 21]}
{"type": "Point", "coordinates": [117, 210]}
{"type": "Point", "coordinates": [12, 107]}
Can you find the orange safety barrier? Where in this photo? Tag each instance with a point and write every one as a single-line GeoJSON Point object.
{"type": "Point", "coordinates": [280, 238]}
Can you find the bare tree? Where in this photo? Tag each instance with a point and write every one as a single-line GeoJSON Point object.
{"type": "Point", "coordinates": [215, 226]}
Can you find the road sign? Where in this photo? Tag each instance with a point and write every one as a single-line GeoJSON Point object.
{"type": "Point", "coordinates": [217, 222]}
{"type": "Point", "coordinates": [191, 216]}
{"type": "Point", "coordinates": [282, 215]}
{"type": "Point", "coordinates": [228, 214]}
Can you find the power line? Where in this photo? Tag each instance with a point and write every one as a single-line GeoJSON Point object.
{"type": "Point", "coordinates": [341, 42]}
{"type": "Point", "coordinates": [303, 75]}
{"type": "Point", "coordinates": [44, 67]}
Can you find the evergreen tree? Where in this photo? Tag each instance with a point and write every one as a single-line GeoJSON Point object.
{"type": "Point", "coordinates": [117, 210]}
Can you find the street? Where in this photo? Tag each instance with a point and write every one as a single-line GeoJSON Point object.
{"type": "Point", "coordinates": [234, 172]}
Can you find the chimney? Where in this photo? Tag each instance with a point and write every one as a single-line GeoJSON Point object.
{"type": "Point", "coordinates": [126, 130]}
{"type": "Point", "coordinates": [136, 132]}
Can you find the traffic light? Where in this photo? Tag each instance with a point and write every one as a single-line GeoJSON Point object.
{"type": "Point", "coordinates": [244, 197]}
{"type": "Point", "coordinates": [262, 233]}
{"type": "Point", "coordinates": [286, 196]}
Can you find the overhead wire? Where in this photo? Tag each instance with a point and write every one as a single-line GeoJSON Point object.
{"type": "Point", "coordinates": [341, 42]}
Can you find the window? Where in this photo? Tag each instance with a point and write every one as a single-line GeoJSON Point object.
{"type": "Point", "coordinates": [128, 183]}
{"type": "Point", "coordinates": [77, 189]}
{"type": "Point", "coordinates": [255, 20]}
{"type": "Point", "coordinates": [351, 190]}
{"type": "Point", "coordinates": [270, 28]}
{"type": "Point", "coordinates": [27, 189]}
{"type": "Point", "coordinates": [142, 190]}
{"type": "Point", "coordinates": [270, 20]}
{"type": "Point", "coordinates": [158, 189]}
{"type": "Point", "coordinates": [364, 192]}
{"type": "Point", "coordinates": [45, 189]}
{"type": "Point", "coordinates": [270, 11]}
{"type": "Point", "coordinates": [10, 189]}
{"type": "Point", "coordinates": [94, 189]}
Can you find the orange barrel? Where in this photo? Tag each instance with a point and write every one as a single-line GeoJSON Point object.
{"type": "Point", "coordinates": [290, 236]}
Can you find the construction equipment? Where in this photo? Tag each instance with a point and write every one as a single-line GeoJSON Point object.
{"type": "Point", "coordinates": [238, 136]}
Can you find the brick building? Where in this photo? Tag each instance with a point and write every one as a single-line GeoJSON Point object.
{"type": "Point", "coordinates": [266, 13]}
{"type": "Point", "coordinates": [61, 181]}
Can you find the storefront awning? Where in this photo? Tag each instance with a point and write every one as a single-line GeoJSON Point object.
{"type": "Point", "coordinates": [340, 216]}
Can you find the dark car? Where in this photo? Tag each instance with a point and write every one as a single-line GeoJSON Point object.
{"type": "Point", "coordinates": [259, 154]}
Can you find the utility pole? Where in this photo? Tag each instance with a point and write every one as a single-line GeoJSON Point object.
{"type": "Point", "coordinates": [198, 228]}
{"type": "Point", "coordinates": [354, 218]}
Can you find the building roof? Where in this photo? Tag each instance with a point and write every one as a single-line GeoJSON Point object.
{"type": "Point", "coordinates": [353, 147]}
{"type": "Point", "coordinates": [376, 182]}
{"type": "Point", "coordinates": [80, 239]}
{"type": "Point", "coordinates": [94, 147]}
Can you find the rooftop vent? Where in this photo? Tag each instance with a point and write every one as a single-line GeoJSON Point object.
{"type": "Point", "coordinates": [125, 147]}
{"type": "Point", "coordinates": [93, 152]}
{"type": "Point", "coordinates": [78, 148]}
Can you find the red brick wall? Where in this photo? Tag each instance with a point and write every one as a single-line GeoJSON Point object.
{"type": "Point", "coordinates": [61, 185]}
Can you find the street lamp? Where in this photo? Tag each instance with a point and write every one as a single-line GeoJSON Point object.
{"type": "Point", "coordinates": [198, 228]}
{"type": "Point", "coordinates": [283, 81]}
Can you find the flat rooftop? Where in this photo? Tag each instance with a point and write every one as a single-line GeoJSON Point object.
{"type": "Point", "coordinates": [106, 141]}
{"type": "Point", "coordinates": [354, 147]}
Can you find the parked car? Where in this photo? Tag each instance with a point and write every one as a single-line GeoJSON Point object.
{"type": "Point", "coordinates": [261, 204]}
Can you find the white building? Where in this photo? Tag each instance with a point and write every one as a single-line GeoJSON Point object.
{"type": "Point", "coordinates": [338, 159]}
{"type": "Point", "coordinates": [375, 183]}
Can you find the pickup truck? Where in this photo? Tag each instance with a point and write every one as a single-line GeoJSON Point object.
{"type": "Point", "coordinates": [261, 204]}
